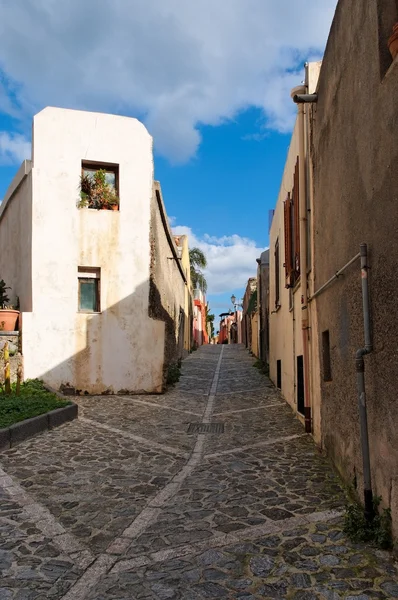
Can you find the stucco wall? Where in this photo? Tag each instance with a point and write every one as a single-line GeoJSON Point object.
{"type": "Point", "coordinates": [355, 154]}
{"type": "Point", "coordinates": [262, 303]}
{"type": "Point", "coordinates": [121, 348]}
{"type": "Point", "coordinates": [284, 322]}
{"type": "Point", "coordinates": [185, 263]}
{"type": "Point", "coordinates": [16, 238]}
{"type": "Point", "coordinates": [168, 281]}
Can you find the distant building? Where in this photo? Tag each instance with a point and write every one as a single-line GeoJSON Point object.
{"type": "Point", "coordinates": [263, 305]}
{"type": "Point", "coordinates": [200, 334]}
{"type": "Point", "coordinates": [250, 321]}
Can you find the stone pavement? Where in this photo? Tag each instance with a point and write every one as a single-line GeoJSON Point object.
{"type": "Point", "coordinates": [126, 504]}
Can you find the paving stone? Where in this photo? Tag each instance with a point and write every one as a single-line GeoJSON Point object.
{"type": "Point", "coordinates": [224, 532]}
{"type": "Point", "coordinates": [261, 567]}
{"type": "Point", "coordinates": [391, 588]}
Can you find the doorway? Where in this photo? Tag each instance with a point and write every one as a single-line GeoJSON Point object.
{"type": "Point", "coordinates": [300, 385]}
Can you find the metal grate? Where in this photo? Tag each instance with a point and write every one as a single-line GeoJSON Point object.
{"type": "Point", "coordinates": [206, 428]}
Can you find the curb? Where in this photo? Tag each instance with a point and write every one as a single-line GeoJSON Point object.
{"type": "Point", "coordinates": [10, 436]}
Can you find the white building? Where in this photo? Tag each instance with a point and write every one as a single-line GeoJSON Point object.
{"type": "Point", "coordinates": [81, 274]}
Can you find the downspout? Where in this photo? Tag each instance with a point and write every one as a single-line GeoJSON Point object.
{"type": "Point", "coordinates": [297, 94]}
{"type": "Point", "coordinates": [360, 368]}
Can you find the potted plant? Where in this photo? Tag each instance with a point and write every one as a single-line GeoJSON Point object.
{"type": "Point", "coordinates": [393, 42]}
{"type": "Point", "coordinates": [8, 315]}
{"type": "Point", "coordinates": [95, 192]}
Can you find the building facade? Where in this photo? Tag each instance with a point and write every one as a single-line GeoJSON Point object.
{"type": "Point", "coordinates": [83, 275]}
{"type": "Point", "coordinates": [355, 186]}
{"type": "Point", "coordinates": [263, 305]}
{"type": "Point", "coordinates": [250, 317]}
{"type": "Point", "coordinates": [200, 335]}
{"type": "Point", "coordinates": [294, 354]}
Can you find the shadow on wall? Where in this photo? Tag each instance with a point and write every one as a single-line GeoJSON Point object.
{"type": "Point", "coordinates": [115, 351]}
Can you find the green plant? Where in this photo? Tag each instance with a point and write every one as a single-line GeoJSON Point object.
{"type": "Point", "coordinates": [33, 400]}
{"type": "Point", "coordinates": [173, 373]}
{"type": "Point", "coordinates": [95, 191]}
{"type": "Point", "coordinates": [198, 261]}
{"type": "Point", "coordinates": [377, 531]}
{"type": "Point", "coordinates": [263, 368]}
{"type": "Point", "coordinates": [4, 299]}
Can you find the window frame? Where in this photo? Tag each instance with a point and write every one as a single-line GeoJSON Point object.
{"type": "Point", "coordinates": [292, 232]}
{"type": "Point", "coordinates": [277, 274]}
{"type": "Point", "coordinates": [86, 274]}
{"type": "Point", "coordinates": [91, 165]}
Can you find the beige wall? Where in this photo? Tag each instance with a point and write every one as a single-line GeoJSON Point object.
{"type": "Point", "coordinates": [286, 333]}
{"type": "Point", "coordinates": [255, 333]}
{"type": "Point", "coordinates": [284, 321]}
{"type": "Point", "coordinates": [168, 280]}
{"type": "Point", "coordinates": [16, 237]}
{"type": "Point", "coordinates": [91, 352]}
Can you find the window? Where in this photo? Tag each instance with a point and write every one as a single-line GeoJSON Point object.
{"type": "Point", "coordinates": [292, 232]}
{"type": "Point", "coordinates": [89, 289]}
{"type": "Point", "coordinates": [277, 290]}
{"type": "Point", "coordinates": [387, 16]}
{"type": "Point", "coordinates": [99, 186]}
{"type": "Point", "coordinates": [327, 368]}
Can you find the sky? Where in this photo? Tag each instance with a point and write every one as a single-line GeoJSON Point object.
{"type": "Point", "coordinates": [210, 80]}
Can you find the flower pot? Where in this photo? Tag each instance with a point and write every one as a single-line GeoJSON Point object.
{"type": "Point", "coordinates": [115, 207]}
{"type": "Point", "coordinates": [393, 42]}
{"type": "Point", "coordinates": [8, 319]}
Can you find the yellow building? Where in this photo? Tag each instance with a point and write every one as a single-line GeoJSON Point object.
{"type": "Point", "coordinates": [294, 356]}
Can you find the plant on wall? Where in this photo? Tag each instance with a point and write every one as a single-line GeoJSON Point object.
{"type": "Point", "coordinates": [4, 299]}
{"type": "Point", "coordinates": [96, 192]}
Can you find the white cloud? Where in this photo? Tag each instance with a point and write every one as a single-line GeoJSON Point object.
{"type": "Point", "coordinates": [14, 148]}
{"type": "Point", "coordinates": [176, 64]}
{"type": "Point", "coordinates": [231, 259]}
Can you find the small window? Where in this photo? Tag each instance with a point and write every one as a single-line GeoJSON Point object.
{"type": "Point", "coordinates": [89, 290]}
{"type": "Point", "coordinates": [99, 188]}
{"type": "Point", "coordinates": [327, 368]}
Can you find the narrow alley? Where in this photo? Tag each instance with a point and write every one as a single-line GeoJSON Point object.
{"type": "Point", "coordinates": [211, 490]}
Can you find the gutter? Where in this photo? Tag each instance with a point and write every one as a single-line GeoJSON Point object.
{"type": "Point", "coordinates": [360, 369]}
{"type": "Point", "coordinates": [163, 216]}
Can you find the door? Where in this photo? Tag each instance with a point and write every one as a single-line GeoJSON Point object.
{"type": "Point", "coordinates": [300, 385]}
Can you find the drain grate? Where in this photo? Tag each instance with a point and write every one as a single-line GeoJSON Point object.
{"type": "Point", "coordinates": [206, 428]}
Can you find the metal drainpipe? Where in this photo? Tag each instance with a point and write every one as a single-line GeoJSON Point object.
{"type": "Point", "coordinates": [303, 258]}
{"type": "Point", "coordinates": [360, 368]}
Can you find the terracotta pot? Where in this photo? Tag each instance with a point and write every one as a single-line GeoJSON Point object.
{"type": "Point", "coordinates": [8, 319]}
{"type": "Point", "coordinates": [393, 42]}
{"type": "Point", "coordinates": [115, 207]}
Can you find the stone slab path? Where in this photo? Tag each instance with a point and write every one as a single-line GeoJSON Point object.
{"type": "Point", "coordinates": [125, 504]}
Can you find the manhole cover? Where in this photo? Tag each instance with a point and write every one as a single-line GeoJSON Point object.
{"type": "Point", "coordinates": [206, 428]}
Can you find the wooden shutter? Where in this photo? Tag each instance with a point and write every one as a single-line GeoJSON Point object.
{"type": "Point", "coordinates": [288, 240]}
{"type": "Point", "coordinates": [296, 206]}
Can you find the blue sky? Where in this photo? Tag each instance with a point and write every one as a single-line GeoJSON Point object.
{"type": "Point", "coordinates": [212, 86]}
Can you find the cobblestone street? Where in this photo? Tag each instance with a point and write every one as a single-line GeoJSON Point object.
{"type": "Point", "coordinates": [124, 503]}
